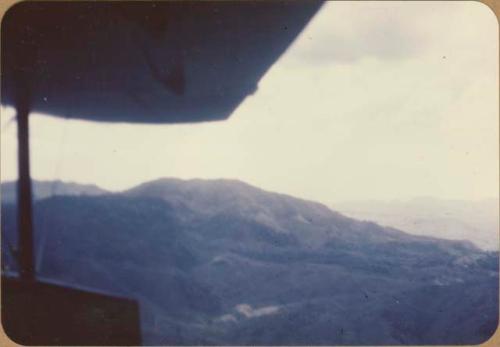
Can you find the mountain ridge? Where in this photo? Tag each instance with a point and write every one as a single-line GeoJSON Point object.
{"type": "Point", "coordinates": [177, 191]}
{"type": "Point", "coordinates": [46, 188]}
{"type": "Point", "coordinates": [216, 266]}
{"type": "Point", "coordinates": [280, 211]}
{"type": "Point", "coordinates": [476, 221]}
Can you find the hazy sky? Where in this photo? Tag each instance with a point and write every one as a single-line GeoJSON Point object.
{"type": "Point", "coordinates": [373, 101]}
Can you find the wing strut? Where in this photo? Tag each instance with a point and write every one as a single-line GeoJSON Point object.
{"type": "Point", "coordinates": [24, 193]}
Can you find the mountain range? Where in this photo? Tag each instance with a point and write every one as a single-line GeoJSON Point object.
{"type": "Point", "coordinates": [476, 221]}
{"type": "Point", "coordinates": [46, 189]}
{"type": "Point", "coordinates": [220, 262]}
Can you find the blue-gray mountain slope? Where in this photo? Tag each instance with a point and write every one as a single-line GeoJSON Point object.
{"type": "Point", "coordinates": [222, 262]}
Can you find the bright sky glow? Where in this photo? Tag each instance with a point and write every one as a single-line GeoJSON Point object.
{"type": "Point", "coordinates": [375, 100]}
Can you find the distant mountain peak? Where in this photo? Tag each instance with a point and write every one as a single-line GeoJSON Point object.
{"type": "Point", "coordinates": [214, 196]}
{"type": "Point", "coordinates": [474, 220]}
{"type": "Point", "coordinates": [220, 182]}
{"type": "Point", "coordinates": [43, 189]}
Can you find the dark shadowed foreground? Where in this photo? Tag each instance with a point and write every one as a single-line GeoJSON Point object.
{"type": "Point", "coordinates": [222, 262]}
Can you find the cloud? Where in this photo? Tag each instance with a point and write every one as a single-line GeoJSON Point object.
{"type": "Point", "coordinates": [249, 312]}
{"type": "Point", "coordinates": [346, 32]}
